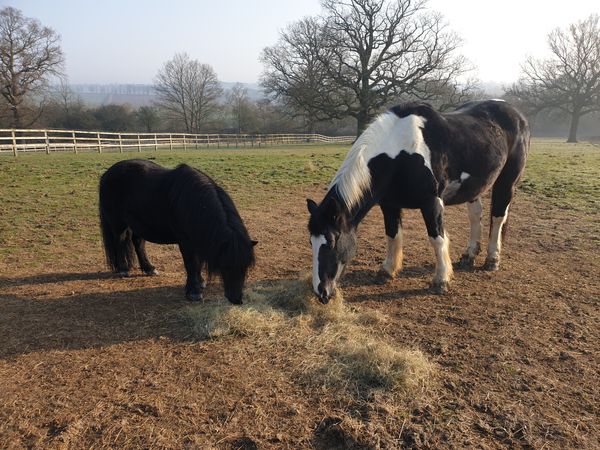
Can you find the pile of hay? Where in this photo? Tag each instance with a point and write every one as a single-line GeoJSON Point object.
{"type": "Point", "coordinates": [340, 346]}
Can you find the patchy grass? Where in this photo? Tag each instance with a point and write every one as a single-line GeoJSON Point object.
{"type": "Point", "coordinates": [568, 175]}
{"type": "Point", "coordinates": [48, 203]}
{"type": "Point", "coordinates": [337, 346]}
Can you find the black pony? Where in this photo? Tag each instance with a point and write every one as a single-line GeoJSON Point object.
{"type": "Point", "coordinates": [414, 157]}
{"type": "Point", "coordinates": [142, 201]}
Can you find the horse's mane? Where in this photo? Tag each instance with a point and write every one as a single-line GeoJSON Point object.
{"type": "Point", "coordinates": [353, 179]}
{"type": "Point", "coordinates": [224, 234]}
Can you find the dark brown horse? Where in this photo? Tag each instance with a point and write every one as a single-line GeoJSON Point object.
{"type": "Point", "coordinates": [142, 201]}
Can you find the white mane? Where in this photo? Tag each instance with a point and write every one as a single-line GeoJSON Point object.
{"type": "Point", "coordinates": [388, 134]}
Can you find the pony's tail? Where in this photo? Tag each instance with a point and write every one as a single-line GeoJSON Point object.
{"type": "Point", "coordinates": [113, 241]}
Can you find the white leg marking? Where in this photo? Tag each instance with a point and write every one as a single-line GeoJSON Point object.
{"type": "Point", "coordinates": [393, 261]}
{"type": "Point", "coordinates": [443, 267]}
{"type": "Point", "coordinates": [495, 243]}
{"type": "Point", "coordinates": [316, 242]}
{"type": "Point", "coordinates": [474, 247]}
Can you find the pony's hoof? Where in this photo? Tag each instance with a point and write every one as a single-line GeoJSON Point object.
{"type": "Point", "coordinates": [466, 262]}
{"type": "Point", "coordinates": [152, 272]}
{"type": "Point", "coordinates": [491, 265]}
{"type": "Point", "coordinates": [124, 274]}
{"type": "Point", "coordinates": [439, 288]}
{"type": "Point", "coordinates": [192, 297]}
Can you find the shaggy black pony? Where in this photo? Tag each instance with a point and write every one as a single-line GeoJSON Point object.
{"type": "Point", "coordinates": [414, 157]}
{"type": "Point", "coordinates": [142, 201]}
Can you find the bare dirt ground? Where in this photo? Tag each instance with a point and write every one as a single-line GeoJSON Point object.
{"type": "Point", "coordinates": [92, 361]}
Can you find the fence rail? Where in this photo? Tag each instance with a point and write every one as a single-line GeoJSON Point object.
{"type": "Point", "coordinates": [16, 140]}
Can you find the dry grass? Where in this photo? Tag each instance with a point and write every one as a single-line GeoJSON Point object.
{"type": "Point", "coordinates": [337, 346]}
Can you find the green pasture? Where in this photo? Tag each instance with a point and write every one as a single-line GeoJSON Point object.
{"type": "Point", "coordinates": [48, 203]}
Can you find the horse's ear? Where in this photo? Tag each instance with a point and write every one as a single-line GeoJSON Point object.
{"type": "Point", "coordinates": [253, 243]}
{"type": "Point", "coordinates": [334, 211]}
{"type": "Point", "coordinates": [311, 205]}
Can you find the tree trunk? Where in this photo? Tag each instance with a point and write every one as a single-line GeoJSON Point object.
{"type": "Point", "coordinates": [16, 117]}
{"type": "Point", "coordinates": [362, 121]}
{"type": "Point", "coordinates": [574, 125]}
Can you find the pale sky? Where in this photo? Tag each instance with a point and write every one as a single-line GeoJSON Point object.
{"type": "Point", "coordinates": [127, 41]}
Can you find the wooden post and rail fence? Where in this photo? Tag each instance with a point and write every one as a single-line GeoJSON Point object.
{"type": "Point", "coordinates": [15, 141]}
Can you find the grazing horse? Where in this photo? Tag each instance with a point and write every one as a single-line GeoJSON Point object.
{"type": "Point", "coordinates": [414, 157]}
{"type": "Point", "coordinates": [142, 201]}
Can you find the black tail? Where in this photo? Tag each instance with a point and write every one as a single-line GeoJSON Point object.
{"type": "Point", "coordinates": [114, 243]}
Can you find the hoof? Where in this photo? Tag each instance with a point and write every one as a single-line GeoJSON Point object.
{"type": "Point", "coordinates": [124, 274]}
{"type": "Point", "coordinates": [193, 297]}
{"type": "Point", "coordinates": [491, 264]}
{"type": "Point", "coordinates": [466, 262]}
{"type": "Point", "coordinates": [152, 272]}
{"type": "Point", "coordinates": [385, 275]}
{"type": "Point", "coordinates": [439, 288]}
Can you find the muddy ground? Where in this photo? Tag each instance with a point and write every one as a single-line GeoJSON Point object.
{"type": "Point", "coordinates": [92, 361]}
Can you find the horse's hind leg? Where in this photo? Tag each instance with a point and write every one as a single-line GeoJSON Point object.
{"type": "Point", "coordinates": [140, 251]}
{"type": "Point", "coordinates": [475, 210]}
{"type": "Point", "coordinates": [124, 253]}
{"type": "Point", "coordinates": [392, 218]}
{"type": "Point", "coordinates": [502, 194]}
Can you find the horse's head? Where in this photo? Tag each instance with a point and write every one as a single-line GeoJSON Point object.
{"type": "Point", "coordinates": [333, 240]}
{"type": "Point", "coordinates": [236, 257]}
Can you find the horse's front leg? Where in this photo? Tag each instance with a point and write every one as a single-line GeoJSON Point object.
{"type": "Point", "coordinates": [200, 277]}
{"type": "Point", "coordinates": [433, 214]}
{"type": "Point", "coordinates": [392, 218]}
{"type": "Point", "coordinates": [193, 285]}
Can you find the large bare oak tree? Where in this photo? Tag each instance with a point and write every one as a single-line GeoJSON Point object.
{"type": "Point", "coordinates": [30, 54]}
{"type": "Point", "coordinates": [361, 55]}
{"type": "Point", "coordinates": [188, 92]}
{"type": "Point", "coordinates": [569, 81]}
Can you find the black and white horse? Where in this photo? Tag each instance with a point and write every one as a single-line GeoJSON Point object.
{"type": "Point", "coordinates": [414, 157]}
{"type": "Point", "coordinates": [142, 201]}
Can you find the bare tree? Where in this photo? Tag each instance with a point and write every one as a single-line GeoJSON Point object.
{"type": "Point", "coordinates": [568, 81]}
{"type": "Point", "coordinates": [362, 54]}
{"type": "Point", "coordinates": [30, 54]}
{"type": "Point", "coordinates": [296, 76]}
{"type": "Point", "coordinates": [243, 112]}
{"type": "Point", "coordinates": [188, 91]}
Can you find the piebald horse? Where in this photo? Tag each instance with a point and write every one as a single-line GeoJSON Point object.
{"type": "Point", "coordinates": [415, 157]}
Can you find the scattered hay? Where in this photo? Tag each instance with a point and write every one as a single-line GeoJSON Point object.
{"type": "Point", "coordinates": [336, 345]}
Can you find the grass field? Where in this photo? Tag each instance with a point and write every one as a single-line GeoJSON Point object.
{"type": "Point", "coordinates": [504, 360]}
{"type": "Point", "coordinates": [49, 202]}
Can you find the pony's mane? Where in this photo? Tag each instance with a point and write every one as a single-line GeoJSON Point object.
{"type": "Point", "coordinates": [224, 224]}
{"type": "Point", "coordinates": [352, 182]}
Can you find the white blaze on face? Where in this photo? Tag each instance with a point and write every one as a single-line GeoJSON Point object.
{"type": "Point", "coordinates": [316, 242]}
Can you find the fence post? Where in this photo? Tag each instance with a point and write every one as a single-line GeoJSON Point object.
{"type": "Point", "coordinates": [120, 144]}
{"type": "Point", "coordinates": [74, 142]}
{"type": "Point", "coordinates": [14, 142]}
{"type": "Point", "coordinates": [155, 142]}
{"type": "Point", "coordinates": [99, 142]}
{"type": "Point", "coordinates": [139, 144]}
{"type": "Point", "coordinates": [47, 142]}
{"type": "Point", "coordinates": [170, 141]}
{"type": "Point", "coordinates": [184, 141]}
{"type": "Point", "coordinates": [218, 141]}
{"type": "Point", "coordinates": [196, 141]}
